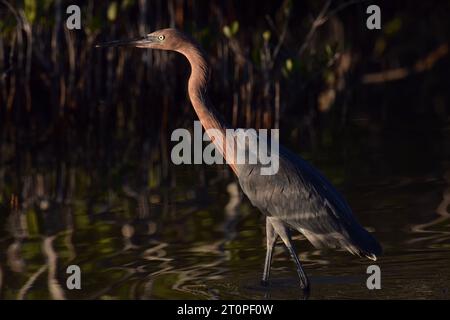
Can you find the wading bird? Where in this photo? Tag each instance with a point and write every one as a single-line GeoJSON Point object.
{"type": "Point", "coordinates": [297, 197]}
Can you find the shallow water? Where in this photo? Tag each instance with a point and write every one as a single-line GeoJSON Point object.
{"type": "Point", "coordinates": [194, 236]}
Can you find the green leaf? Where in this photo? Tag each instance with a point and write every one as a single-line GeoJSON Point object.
{"type": "Point", "coordinates": [112, 11]}
{"type": "Point", "coordinates": [227, 31]}
{"type": "Point", "coordinates": [289, 65]}
{"type": "Point", "coordinates": [30, 10]}
{"type": "Point", "coordinates": [234, 27]}
{"type": "Point", "coordinates": [230, 31]}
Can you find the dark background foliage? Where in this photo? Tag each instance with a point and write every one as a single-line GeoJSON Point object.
{"type": "Point", "coordinates": [273, 61]}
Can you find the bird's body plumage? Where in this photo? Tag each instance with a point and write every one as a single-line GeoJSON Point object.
{"type": "Point", "coordinates": [301, 197]}
{"type": "Point", "coordinates": [297, 196]}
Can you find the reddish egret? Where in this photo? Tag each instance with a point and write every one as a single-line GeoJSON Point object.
{"type": "Point", "coordinates": [297, 197]}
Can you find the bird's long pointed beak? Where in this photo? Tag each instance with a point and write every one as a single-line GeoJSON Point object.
{"type": "Point", "coordinates": [127, 43]}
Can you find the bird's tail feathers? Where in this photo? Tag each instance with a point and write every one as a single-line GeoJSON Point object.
{"type": "Point", "coordinates": [371, 256]}
{"type": "Point", "coordinates": [367, 246]}
{"type": "Point", "coordinates": [356, 240]}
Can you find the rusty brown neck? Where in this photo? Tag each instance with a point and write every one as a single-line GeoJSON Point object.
{"type": "Point", "coordinates": [197, 89]}
{"type": "Point", "coordinates": [198, 85]}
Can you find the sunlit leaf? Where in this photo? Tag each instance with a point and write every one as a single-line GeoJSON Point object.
{"type": "Point", "coordinates": [30, 10]}
{"type": "Point", "coordinates": [112, 11]}
{"type": "Point", "coordinates": [289, 64]}
{"type": "Point", "coordinates": [234, 27]}
{"type": "Point", "coordinates": [227, 31]}
{"type": "Point", "coordinates": [266, 35]}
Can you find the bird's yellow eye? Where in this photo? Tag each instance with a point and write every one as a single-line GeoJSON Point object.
{"type": "Point", "coordinates": [161, 38]}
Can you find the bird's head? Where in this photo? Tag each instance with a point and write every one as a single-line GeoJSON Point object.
{"type": "Point", "coordinates": [164, 39]}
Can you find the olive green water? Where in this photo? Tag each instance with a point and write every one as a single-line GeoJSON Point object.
{"type": "Point", "coordinates": [194, 236]}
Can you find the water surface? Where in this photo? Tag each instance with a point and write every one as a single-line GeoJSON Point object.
{"type": "Point", "coordinates": [140, 228]}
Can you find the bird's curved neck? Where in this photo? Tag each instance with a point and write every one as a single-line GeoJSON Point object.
{"type": "Point", "coordinates": [197, 89]}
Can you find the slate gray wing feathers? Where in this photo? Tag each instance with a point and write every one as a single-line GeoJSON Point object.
{"type": "Point", "coordinates": [303, 199]}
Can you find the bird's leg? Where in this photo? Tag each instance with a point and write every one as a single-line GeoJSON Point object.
{"type": "Point", "coordinates": [283, 232]}
{"type": "Point", "coordinates": [272, 237]}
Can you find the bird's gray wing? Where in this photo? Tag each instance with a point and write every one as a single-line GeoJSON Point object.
{"type": "Point", "coordinates": [302, 197]}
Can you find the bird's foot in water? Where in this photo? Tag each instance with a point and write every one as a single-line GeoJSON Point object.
{"type": "Point", "coordinates": [306, 288]}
